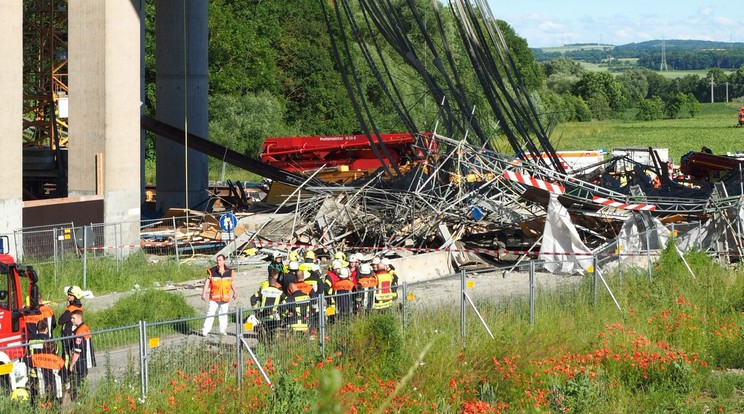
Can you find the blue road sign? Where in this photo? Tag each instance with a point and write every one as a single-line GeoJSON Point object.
{"type": "Point", "coordinates": [228, 222]}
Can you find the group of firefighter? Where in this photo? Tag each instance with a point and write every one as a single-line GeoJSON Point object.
{"type": "Point", "coordinates": [51, 369]}
{"type": "Point", "coordinates": [290, 297]}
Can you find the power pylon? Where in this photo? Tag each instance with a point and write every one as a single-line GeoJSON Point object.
{"type": "Point", "coordinates": [663, 65]}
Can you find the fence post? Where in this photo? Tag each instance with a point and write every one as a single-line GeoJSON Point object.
{"type": "Point", "coordinates": [532, 293]}
{"type": "Point", "coordinates": [54, 234]}
{"type": "Point", "coordinates": [321, 323]}
{"type": "Point", "coordinates": [648, 255]}
{"type": "Point", "coordinates": [619, 264]}
{"type": "Point", "coordinates": [405, 308]}
{"type": "Point", "coordinates": [462, 306]}
{"type": "Point", "coordinates": [117, 241]}
{"type": "Point", "coordinates": [85, 257]}
{"type": "Point", "coordinates": [239, 345]}
{"type": "Point", "coordinates": [596, 278]}
{"type": "Point", "coordinates": [143, 357]}
{"type": "Point", "coordinates": [175, 239]}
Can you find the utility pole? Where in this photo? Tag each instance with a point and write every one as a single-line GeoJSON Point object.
{"type": "Point", "coordinates": [711, 88]}
{"type": "Point", "coordinates": [726, 91]}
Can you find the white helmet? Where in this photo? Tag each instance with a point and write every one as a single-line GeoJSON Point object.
{"type": "Point", "coordinates": [294, 265]}
{"type": "Point", "coordinates": [336, 264]}
{"type": "Point", "coordinates": [353, 258]}
{"type": "Point", "coordinates": [359, 257]}
{"type": "Point", "coordinates": [376, 260]}
{"type": "Point", "coordinates": [343, 273]}
{"type": "Point", "coordinates": [365, 269]}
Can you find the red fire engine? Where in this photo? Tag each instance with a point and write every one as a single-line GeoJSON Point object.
{"type": "Point", "coordinates": [13, 333]}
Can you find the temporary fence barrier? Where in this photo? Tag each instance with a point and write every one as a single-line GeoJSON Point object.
{"type": "Point", "coordinates": [150, 355]}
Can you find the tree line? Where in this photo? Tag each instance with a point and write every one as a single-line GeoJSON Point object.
{"type": "Point", "coordinates": [272, 73]}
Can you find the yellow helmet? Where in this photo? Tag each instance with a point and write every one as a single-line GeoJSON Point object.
{"type": "Point", "coordinates": [294, 256]}
{"type": "Point", "coordinates": [339, 255]}
{"type": "Point", "coordinates": [310, 255]}
{"type": "Point", "coordinates": [19, 394]}
{"type": "Point", "coordinates": [75, 292]}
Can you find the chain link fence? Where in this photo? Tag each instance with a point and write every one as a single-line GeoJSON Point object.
{"type": "Point", "coordinates": [151, 355]}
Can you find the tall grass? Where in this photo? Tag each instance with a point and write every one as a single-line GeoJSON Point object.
{"type": "Point", "coordinates": [105, 275]}
{"type": "Point", "coordinates": [673, 347]}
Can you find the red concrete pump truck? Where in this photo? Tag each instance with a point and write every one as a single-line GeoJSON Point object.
{"type": "Point", "coordinates": [13, 333]}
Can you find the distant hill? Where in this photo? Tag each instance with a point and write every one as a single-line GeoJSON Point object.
{"type": "Point", "coordinates": [680, 54]}
{"type": "Point", "coordinates": [676, 44]}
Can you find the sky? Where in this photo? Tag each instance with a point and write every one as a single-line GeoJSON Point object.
{"type": "Point", "coordinates": [548, 23]}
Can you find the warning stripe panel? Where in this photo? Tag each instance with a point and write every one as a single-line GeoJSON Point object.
{"type": "Point", "coordinates": [623, 206]}
{"type": "Point", "coordinates": [534, 182]}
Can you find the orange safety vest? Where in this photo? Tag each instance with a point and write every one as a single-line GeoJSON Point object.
{"type": "Point", "coordinates": [306, 288]}
{"type": "Point", "coordinates": [220, 284]}
{"type": "Point", "coordinates": [47, 361]}
{"type": "Point", "coordinates": [367, 281]}
{"type": "Point", "coordinates": [343, 284]}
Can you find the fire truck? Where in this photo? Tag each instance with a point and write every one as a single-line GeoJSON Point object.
{"type": "Point", "coordinates": [16, 283]}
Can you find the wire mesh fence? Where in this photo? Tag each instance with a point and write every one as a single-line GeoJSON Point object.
{"type": "Point", "coordinates": [152, 356]}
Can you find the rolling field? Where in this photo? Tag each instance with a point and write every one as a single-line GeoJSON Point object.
{"type": "Point", "coordinates": [714, 126]}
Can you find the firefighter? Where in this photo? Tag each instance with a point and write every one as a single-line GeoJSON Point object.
{"type": "Point", "coordinates": [341, 256]}
{"type": "Point", "coordinates": [291, 276]}
{"type": "Point", "coordinates": [74, 295]}
{"type": "Point", "coordinates": [43, 312]}
{"type": "Point", "coordinates": [353, 268]}
{"type": "Point", "coordinates": [366, 285]}
{"type": "Point", "coordinates": [343, 291]}
{"type": "Point", "coordinates": [268, 298]}
{"type": "Point", "coordinates": [307, 265]}
{"type": "Point", "coordinates": [219, 284]}
{"type": "Point", "coordinates": [83, 356]}
{"type": "Point", "coordinates": [277, 263]}
{"type": "Point", "coordinates": [313, 278]}
{"type": "Point", "coordinates": [298, 308]}
{"type": "Point", "coordinates": [47, 370]}
{"type": "Point", "coordinates": [384, 295]}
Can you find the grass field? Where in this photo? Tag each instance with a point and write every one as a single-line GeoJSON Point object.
{"type": "Point", "coordinates": [675, 347]}
{"type": "Point", "coordinates": [714, 126]}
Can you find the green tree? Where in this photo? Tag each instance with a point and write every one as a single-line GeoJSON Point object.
{"type": "Point", "coordinates": [596, 88]}
{"type": "Point", "coordinates": [692, 106]}
{"type": "Point", "coordinates": [673, 105]}
{"type": "Point", "coordinates": [242, 122]}
{"type": "Point", "coordinates": [650, 109]}
{"type": "Point", "coordinates": [528, 68]}
{"type": "Point", "coordinates": [634, 85]}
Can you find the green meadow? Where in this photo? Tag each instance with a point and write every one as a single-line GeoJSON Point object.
{"type": "Point", "coordinates": [715, 126]}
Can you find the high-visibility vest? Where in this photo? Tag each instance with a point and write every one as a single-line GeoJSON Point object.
{"type": "Point", "coordinates": [271, 297]}
{"type": "Point", "coordinates": [47, 367]}
{"type": "Point", "coordinates": [301, 309]}
{"type": "Point", "coordinates": [384, 294]}
{"type": "Point", "coordinates": [220, 284]}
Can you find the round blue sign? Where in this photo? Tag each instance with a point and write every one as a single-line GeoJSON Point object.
{"type": "Point", "coordinates": [228, 222]}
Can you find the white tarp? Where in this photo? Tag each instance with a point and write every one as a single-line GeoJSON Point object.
{"type": "Point", "coordinates": [633, 240]}
{"type": "Point", "coordinates": [562, 249]}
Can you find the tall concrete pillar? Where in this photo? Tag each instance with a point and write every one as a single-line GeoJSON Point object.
{"type": "Point", "coordinates": [181, 100]}
{"type": "Point", "coordinates": [11, 120]}
{"type": "Point", "coordinates": [104, 66]}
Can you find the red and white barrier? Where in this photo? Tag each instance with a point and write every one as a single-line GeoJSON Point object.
{"type": "Point", "coordinates": [534, 182]}
{"type": "Point", "coordinates": [623, 206]}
